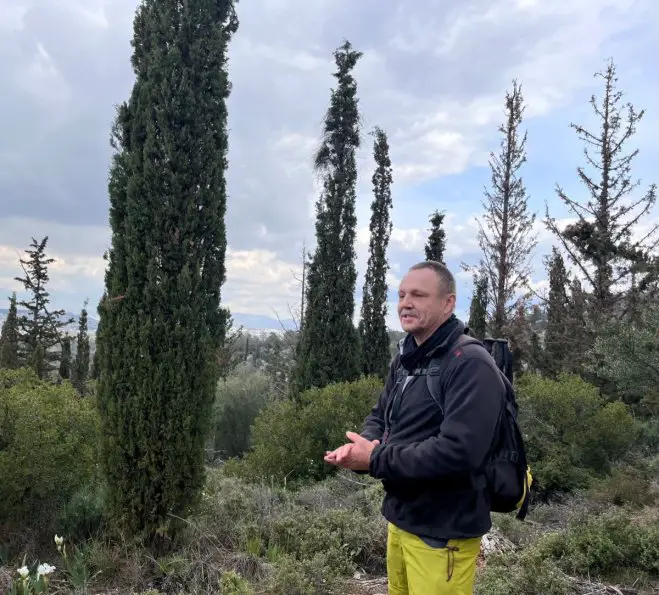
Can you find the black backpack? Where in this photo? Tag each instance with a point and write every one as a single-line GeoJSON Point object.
{"type": "Point", "coordinates": [507, 473]}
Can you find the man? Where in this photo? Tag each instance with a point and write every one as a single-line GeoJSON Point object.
{"type": "Point", "coordinates": [430, 454]}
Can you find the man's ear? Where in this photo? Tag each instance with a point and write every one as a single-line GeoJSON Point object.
{"type": "Point", "coordinates": [450, 304]}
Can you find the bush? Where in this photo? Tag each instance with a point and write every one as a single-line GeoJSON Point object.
{"type": "Point", "coordinates": [83, 516]}
{"type": "Point", "coordinates": [311, 576]}
{"type": "Point", "coordinates": [525, 572]}
{"type": "Point", "coordinates": [48, 438]}
{"type": "Point", "coordinates": [627, 486]}
{"type": "Point", "coordinates": [603, 545]}
{"type": "Point", "coordinates": [572, 434]}
{"type": "Point", "coordinates": [239, 399]}
{"type": "Point", "coordinates": [351, 538]}
{"type": "Point", "coordinates": [289, 440]}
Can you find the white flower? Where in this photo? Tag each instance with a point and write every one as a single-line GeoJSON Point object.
{"type": "Point", "coordinates": [44, 570]}
{"type": "Point", "coordinates": [23, 571]}
{"type": "Point", "coordinates": [58, 540]}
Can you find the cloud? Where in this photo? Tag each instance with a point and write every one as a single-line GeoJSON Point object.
{"type": "Point", "coordinates": [433, 75]}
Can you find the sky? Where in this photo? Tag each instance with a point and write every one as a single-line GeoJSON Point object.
{"type": "Point", "coordinates": [433, 75]}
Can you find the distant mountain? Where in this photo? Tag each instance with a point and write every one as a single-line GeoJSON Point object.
{"type": "Point", "coordinates": [257, 322]}
{"type": "Point", "coordinates": [248, 321]}
{"type": "Point", "coordinates": [92, 323]}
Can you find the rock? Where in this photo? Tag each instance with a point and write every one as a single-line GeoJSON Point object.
{"type": "Point", "coordinates": [496, 542]}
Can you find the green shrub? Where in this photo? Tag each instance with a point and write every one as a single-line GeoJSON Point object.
{"type": "Point", "coordinates": [48, 441]}
{"type": "Point", "coordinates": [627, 485]}
{"type": "Point", "coordinates": [239, 399]}
{"type": "Point", "coordinates": [83, 516]}
{"type": "Point", "coordinates": [354, 539]}
{"type": "Point", "coordinates": [231, 508]}
{"type": "Point", "coordinates": [572, 434]}
{"type": "Point", "coordinates": [601, 545]}
{"type": "Point", "coordinates": [290, 440]}
{"type": "Point", "coordinates": [316, 575]}
{"type": "Point", "coordinates": [524, 573]}
{"type": "Point", "coordinates": [232, 583]}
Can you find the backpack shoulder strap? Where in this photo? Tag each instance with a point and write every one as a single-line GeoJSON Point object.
{"type": "Point", "coordinates": [438, 365]}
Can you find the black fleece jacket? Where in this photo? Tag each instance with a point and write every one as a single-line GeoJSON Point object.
{"type": "Point", "coordinates": [430, 460]}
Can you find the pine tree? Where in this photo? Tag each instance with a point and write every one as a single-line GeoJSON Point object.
{"type": "Point", "coordinates": [478, 307]}
{"type": "Point", "coordinates": [9, 338]}
{"type": "Point", "coordinates": [558, 335]}
{"type": "Point", "coordinates": [505, 237]}
{"type": "Point", "coordinates": [605, 242]}
{"type": "Point", "coordinates": [81, 363]}
{"type": "Point", "coordinates": [39, 334]}
{"type": "Point", "coordinates": [436, 244]}
{"type": "Point", "coordinates": [65, 359]}
{"type": "Point", "coordinates": [328, 350]}
{"type": "Point", "coordinates": [373, 325]}
{"type": "Point", "coordinates": [161, 325]}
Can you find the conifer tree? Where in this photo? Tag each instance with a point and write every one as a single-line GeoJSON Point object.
{"type": "Point", "coordinates": [505, 236]}
{"type": "Point", "coordinates": [521, 338]}
{"type": "Point", "coordinates": [9, 338]}
{"type": "Point", "coordinates": [558, 335]}
{"type": "Point", "coordinates": [40, 328]}
{"type": "Point", "coordinates": [373, 325]}
{"type": "Point", "coordinates": [604, 243]}
{"type": "Point", "coordinates": [65, 359]}
{"type": "Point", "coordinates": [161, 325]}
{"type": "Point", "coordinates": [581, 329]}
{"type": "Point", "coordinates": [328, 350]}
{"type": "Point", "coordinates": [81, 363]}
{"type": "Point", "coordinates": [436, 244]}
{"type": "Point", "coordinates": [478, 307]}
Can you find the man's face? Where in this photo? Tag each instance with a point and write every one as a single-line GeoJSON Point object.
{"type": "Point", "coordinates": [421, 307]}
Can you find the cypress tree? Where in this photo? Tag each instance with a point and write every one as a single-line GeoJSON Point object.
{"type": "Point", "coordinates": [81, 363]}
{"type": "Point", "coordinates": [604, 243]}
{"type": "Point", "coordinates": [161, 325]}
{"type": "Point", "coordinates": [505, 236]}
{"type": "Point", "coordinates": [328, 350]}
{"type": "Point", "coordinates": [478, 307]}
{"type": "Point", "coordinates": [373, 325]}
{"type": "Point", "coordinates": [65, 359]}
{"type": "Point", "coordinates": [558, 335]}
{"type": "Point", "coordinates": [9, 338]}
{"type": "Point", "coordinates": [39, 333]}
{"type": "Point", "coordinates": [436, 244]}
{"type": "Point", "coordinates": [521, 338]}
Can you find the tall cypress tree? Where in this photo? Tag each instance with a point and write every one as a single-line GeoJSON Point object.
{"type": "Point", "coordinates": [558, 335]}
{"type": "Point", "coordinates": [478, 307]}
{"type": "Point", "coordinates": [65, 359]}
{"type": "Point", "coordinates": [40, 328]}
{"type": "Point", "coordinates": [436, 244]}
{"type": "Point", "coordinates": [81, 363]}
{"type": "Point", "coordinates": [505, 236]}
{"type": "Point", "coordinates": [604, 242]}
{"type": "Point", "coordinates": [161, 324]}
{"type": "Point", "coordinates": [328, 350]}
{"type": "Point", "coordinates": [9, 338]}
{"type": "Point", "coordinates": [373, 325]}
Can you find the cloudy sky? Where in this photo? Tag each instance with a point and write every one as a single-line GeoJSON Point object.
{"type": "Point", "coordinates": [433, 75]}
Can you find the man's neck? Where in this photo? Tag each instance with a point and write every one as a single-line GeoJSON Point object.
{"type": "Point", "coordinates": [423, 336]}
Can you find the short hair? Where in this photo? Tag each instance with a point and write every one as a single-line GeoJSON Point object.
{"type": "Point", "coordinates": [446, 278]}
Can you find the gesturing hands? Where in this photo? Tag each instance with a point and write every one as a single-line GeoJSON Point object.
{"type": "Point", "coordinates": [355, 456]}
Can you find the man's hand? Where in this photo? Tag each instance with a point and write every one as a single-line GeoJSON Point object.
{"type": "Point", "coordinates": [355, 456]}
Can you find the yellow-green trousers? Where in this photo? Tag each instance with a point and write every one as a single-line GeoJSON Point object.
{"type": "Point", "coordinates": [415, 568]}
